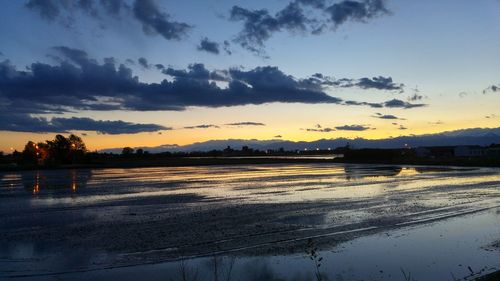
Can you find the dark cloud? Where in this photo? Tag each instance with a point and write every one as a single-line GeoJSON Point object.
{"type": "Point", "coordinates": [490, 116]}
{"type": "Point", "coordinates": [278, 136]}
{"type": "Point", "coordinates": [227, 47]}
{"type": "Point", "coordinates": [492, 89]}
{"type": "Point", "coordinates": [197, 71]}
{"type": "Point", "coordinates": [156, 22]}
{"type": "Point", "coordinates": [379, 83]}
{"type": "Point", "coordinates": [359, 11]}
{"type": "Point", "coordinates": [153, 20]}
{"type": "Point", "coordinates": [209, 46]}
{"type": "Point", "coordinates": [257, 27]}
{"type": "Point", "coordinates": [353, 128]}
{"type": "Point", "coordinates": [80, 83]}
{"type": "Point", "coordinates": [395, 103]}
{"type": "Point", "coordinates": [416, 96]}
{"type": "Point", "coordinates": [260, 25]}
{"type": "Point", "coordinates": [370, 104]}
{"type": "Point", "coordinates": [143, 62]}
{"type": "Point", "coordinates": [77, 82]}
{"type": "Point", "coordinates": [26, 123]}
{"type": "Point", "coordinates": [246, 124]}
{"type": "Point", "coordinates": [48, 9]}
{"type": "Point", "coordinates": [114, 7]}
{"type": "Point", "coordinates": [159, 66]}
{"type": "Point", "coordinates": [387, 116]}
{"type": "Point", "coordinates": [401, 127]}
{"type": "Point", "coordinates": [204, 126]}
{"type": "Point", "coordinates": [318, 128]}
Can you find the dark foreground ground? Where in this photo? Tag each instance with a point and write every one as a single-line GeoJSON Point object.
{"type": "Point", "coordinates": [66, 223]}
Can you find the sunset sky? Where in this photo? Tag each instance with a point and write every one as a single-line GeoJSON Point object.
{"type": "Point", "coordinates": [147, 73]}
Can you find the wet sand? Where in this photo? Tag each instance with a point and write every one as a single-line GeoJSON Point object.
{"type": "Point", "coordinates": [64, 221]}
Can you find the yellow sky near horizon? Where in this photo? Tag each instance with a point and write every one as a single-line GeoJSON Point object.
{"type": "Point", "coordinates": [288, 120]}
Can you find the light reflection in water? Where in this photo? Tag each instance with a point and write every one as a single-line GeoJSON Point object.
{"type": "Point", "coordinates": [73, 181]}
{"type": "Point", "coordinates": [36, 187]}
{"type": "Point", "coordinates": [49, 181]}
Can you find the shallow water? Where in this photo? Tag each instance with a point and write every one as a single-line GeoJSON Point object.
{"type": "Point", "coordinates": [367, 221]}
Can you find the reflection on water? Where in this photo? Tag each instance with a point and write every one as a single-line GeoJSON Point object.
{"type": "Point", "coordinates": [444, 248]}
{"type": "Point", "coordinates": [55, 181]}
{"type": "Point", "coordinates": [356, 172]}
{"type": "Point", "coordinates": [260, 216]}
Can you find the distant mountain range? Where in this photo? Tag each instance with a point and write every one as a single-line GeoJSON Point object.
{"type": "Point", "coordinates": [473, 136]}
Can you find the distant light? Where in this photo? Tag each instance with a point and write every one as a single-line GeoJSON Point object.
{"type": "Point", "coordinates": [305, 149]}
{"type": "Point", "coordinates": [329, 148]}
{"type": "Point", "coordinates": [317, 148]}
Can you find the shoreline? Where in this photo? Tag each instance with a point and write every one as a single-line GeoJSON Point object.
{"type": "Point", "coordinates": [214, 161]}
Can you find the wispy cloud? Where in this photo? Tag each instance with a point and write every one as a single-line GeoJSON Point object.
{"type": "Point", "coordinates": [203, 126]}
{"type": "Point", "coordinates": [246, 124]}
{"type": "Point", "coordinates": [147, 13]}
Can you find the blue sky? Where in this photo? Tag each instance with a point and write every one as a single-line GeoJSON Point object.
{"type": "Point", "coordinates": [448, 50]}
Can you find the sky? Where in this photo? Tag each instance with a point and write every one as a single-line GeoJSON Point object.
{"type": "Point", "coordinates": [150, 72]}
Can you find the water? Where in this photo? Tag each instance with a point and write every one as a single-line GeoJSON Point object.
{"type": "Point", "coordinates": [367, 221]}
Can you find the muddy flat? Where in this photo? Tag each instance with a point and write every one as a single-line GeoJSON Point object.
{"type": "Point", "coordinates": [365, 221]}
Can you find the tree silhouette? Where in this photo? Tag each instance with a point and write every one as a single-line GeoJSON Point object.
{"type": "Point", "coordinates": [127, 151]}
{"type": "Point", "coordinates": [61, 150]}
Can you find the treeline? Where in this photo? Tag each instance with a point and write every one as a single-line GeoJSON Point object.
{"type": "Point", "coordinates": [59, 151]}
{"type": "Point", "coordinates": [71, 150]}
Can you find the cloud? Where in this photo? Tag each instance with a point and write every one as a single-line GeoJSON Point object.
{"type": "Point", "coordinates": [143, 62]}
{"type": "Point", "coordinates": [358, 11]}
{"type": "Point", "coordinates": [25, 123]}
{"type": "Point", "coordinates": [395, 103]}
{"type": "Point", "coordinates": [415, 97]}
{"type": "Point", "coordinates": [370, 104]}
{"type": "Point", "coordinates": [156, 22]}
{"type": "Point", "coordinates": [387, 116]}
{"type": "Point", "coordinates": [379, 83]}
{"type": "Point", "coordinates": [490, 116]}
{"type": "Point", "coordinates": [353, 128]}
{"type": "Point", "coordinates": [246, 124]}
{"type": "Point", "coordinates": [227, 47]}
{"type": "Point", "coordinates": [77, 82]}
{"type": "Point", "coordinates": [492, 89]}
{"type": "Point", "coordinates": [197, 71]}
{"type": "Point", "coordinates": [260, 25]}
{"type": "Point", "coordinates": [318, 128]}
{"type": "Point", "coordinates": [401, 127]}
{"type": "Point", "coordinates": [209, 46]}
{"type": "Point", "coordinates": [204, 126]}
{"type": "Point", "coordinates": [48, 9]}
{"type": "Point", "coordinates": [153, 20]}
{"type": "Point", "coordinates": [278, 136]}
